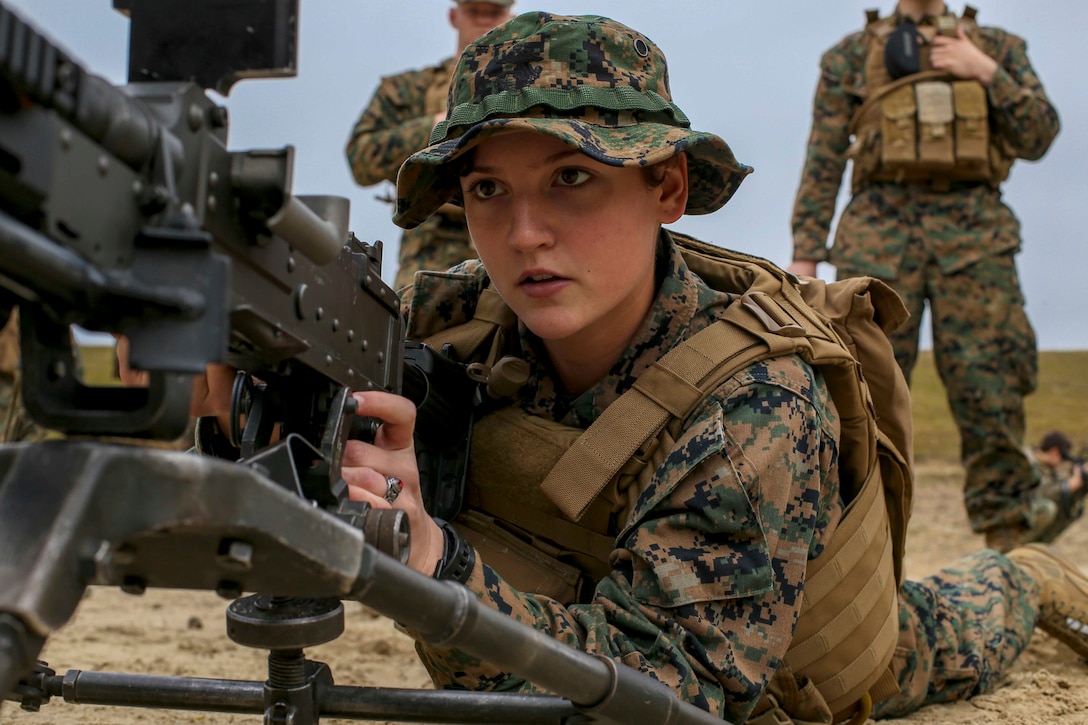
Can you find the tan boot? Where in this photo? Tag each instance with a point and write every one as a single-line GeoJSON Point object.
{"type": "Point", "coordinates": [1063, 594]}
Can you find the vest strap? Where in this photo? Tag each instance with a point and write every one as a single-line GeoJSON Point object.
{"type": "Point", "coordinates": [678, 383]}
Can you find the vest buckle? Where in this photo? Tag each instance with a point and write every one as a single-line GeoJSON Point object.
{"type": "Point", "coordinates": [772, 315]}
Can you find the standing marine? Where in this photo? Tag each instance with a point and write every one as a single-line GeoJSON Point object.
{"type": "Point", "coordinates": [398, 122]}
{"type": "Point", "coordinates": [932, 109]}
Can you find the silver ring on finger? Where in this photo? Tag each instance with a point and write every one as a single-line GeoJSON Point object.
{"type": "Point", "coordinates": [393, 488]}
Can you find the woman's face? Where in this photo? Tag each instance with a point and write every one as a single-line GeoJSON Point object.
{"type": "Point", "coordinates": [569, 242]}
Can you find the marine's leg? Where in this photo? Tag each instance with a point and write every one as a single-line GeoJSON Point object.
{"type": "Point", "coordinates": [436, 245]}
{"type": "Point", "coordinates": [412, 242]}
{"type": "Point", "coordinates": [15, 424]}
{"type": "Point", "coordinates": [959, 631]}
{"type": "Point", "coordinates": [984, 348]}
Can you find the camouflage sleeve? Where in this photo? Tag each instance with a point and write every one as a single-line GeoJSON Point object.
{"type": "Point", "coordinates": [825, 158]}
{"type": "Point", "coordinates": [394, 126]}
{"type": "Point", "coordinates": [1021, 112]}
{"type": "Point", "coordinates": [708, 576]}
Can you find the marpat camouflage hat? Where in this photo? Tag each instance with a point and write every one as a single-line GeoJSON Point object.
{"type": "Point", "coordinates": [587, 80]}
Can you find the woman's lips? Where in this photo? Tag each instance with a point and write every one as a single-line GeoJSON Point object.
{"type": "Point", "coordinates": [542, 284]}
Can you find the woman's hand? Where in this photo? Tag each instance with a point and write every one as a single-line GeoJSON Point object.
{"type": "Point", "coordinates": [366, 466]}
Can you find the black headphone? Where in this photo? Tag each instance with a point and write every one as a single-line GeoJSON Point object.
{"type": "Point", "coordinates": [901, 53]}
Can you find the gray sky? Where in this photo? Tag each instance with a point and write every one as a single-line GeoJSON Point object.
{"type": "Point", "coordinates": [744, 69]}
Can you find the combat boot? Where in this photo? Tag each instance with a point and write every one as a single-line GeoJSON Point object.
{"type": "Point", "coordinates": [1063, 594]}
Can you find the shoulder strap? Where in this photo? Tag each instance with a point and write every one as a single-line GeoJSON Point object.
{"type": "Point", "coordinates": [753, 328]}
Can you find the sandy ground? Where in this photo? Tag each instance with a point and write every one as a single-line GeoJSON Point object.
{"type": "Point", "coordinates": [182, 633]}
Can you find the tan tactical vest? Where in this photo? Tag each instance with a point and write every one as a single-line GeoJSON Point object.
{"type": "Point", "coordinates": [546, 502]}
{"type": "Point", "coordinates": [926, 127]}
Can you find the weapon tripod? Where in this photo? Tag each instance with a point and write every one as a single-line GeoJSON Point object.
{"type": "Point", "coordinates": [76, 513]}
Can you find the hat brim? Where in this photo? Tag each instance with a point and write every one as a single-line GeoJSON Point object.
{"type": "Point", "coordinates": [429, 178]}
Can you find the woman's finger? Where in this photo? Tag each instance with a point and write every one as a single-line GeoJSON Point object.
{"type": "Point", "coordinates": [398, 416]}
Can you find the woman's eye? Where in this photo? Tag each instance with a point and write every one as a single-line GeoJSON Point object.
{"type": "Point", "coordinates": [572, 177]}
{"type": "Point", "coordinates": [486, 189]}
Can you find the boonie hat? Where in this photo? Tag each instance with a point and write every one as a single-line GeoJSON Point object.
{"type": "Point", "coordinates": [590, 82]}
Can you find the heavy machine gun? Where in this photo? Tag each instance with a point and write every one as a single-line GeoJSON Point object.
{"type": "Point", "coordinates": [123, 211]}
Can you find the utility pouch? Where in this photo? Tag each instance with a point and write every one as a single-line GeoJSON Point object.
{"type": "Point", "coordinates": [972, 124]}
{"type": "Point", "coordinates": [525, 567]}
{"type": "Point", "coordinates": [936, 149]}
{"type": "Point", "coordinates": [897, 128]}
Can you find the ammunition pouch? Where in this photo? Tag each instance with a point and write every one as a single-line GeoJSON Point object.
{"type": "Point", "coordinates": [926, 127]}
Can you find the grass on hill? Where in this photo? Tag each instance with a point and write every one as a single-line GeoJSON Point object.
{"type": "Point", "coordinates": [1061, 401]}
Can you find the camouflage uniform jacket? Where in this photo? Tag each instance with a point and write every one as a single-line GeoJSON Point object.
{"type": "Point", "coordinates": [398, 122]}
{"type": "Point", "coordinates": [708, 572]}
{"type": "Point", "coordinates": [960, 226]}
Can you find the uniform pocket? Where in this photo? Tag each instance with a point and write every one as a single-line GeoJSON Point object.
{"type": "Point", "coordinates": [972, 123]}
{"type": "Point", "coordinates": [936, 148]}
{"type": "Point", "coordinates": [898, 128]}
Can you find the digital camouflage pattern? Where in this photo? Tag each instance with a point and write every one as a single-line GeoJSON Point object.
{"type": "Point", "coordinates": [952, 248]}
{"type": "Point", "coordinates": [591, 82]}
{"type": "Point", "coordinates": [707, 575]}
{"type": "Point", "coordinates": [396, 123]}
{"type": "Point", "coordinates": [15, 425]}
{"type": "Point", "coordinates": [1053, 481]}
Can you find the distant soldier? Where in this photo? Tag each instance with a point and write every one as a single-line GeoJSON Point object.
{"type": "Point", "coordinates": [15, 425]}
{"type": "Point", "coordinates": [932, 110]}
{"type": "Point", "coordinates": [398, 122]}
{"type": "Point", "coordinates": [1061, 480]}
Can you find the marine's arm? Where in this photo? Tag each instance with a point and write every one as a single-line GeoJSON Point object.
{"type": "Point", "coordinates": [1022, 114]}
{"type": "Point", "coordinates": [394, 125]}
{"type": "Point", "coordinates": [707, 581]}
{"type": "Point", "coordinates": [825, 157]}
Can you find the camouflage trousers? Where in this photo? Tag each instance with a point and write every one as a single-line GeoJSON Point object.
{"type": "Point", "coordinates": [984, 349]}
{"type": "Point", "coordinates": [15, 425]}
{"type": "Point", "coordinates": [436, 245]}
{"type": "Point", "coordinates": [959, 632]}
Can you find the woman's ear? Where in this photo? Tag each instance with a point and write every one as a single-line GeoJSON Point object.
{"type": "Point", "coordinates": [674, 189]}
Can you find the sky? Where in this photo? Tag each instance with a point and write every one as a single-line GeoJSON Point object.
{"type": "Point", "coordinates": [743, 69]}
